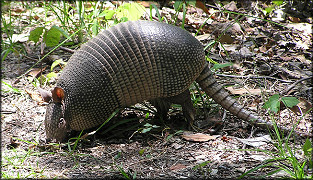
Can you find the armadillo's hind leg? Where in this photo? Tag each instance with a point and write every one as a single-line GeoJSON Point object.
{"type": "Point", "coordinates": [163, 104]}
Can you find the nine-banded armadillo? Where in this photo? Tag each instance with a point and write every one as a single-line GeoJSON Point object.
{"type": "Point", "coordinates": [126, 64]}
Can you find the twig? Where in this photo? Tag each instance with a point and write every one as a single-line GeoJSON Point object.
{"type": "Point", "coordinates": [67, 49]}
{"type": "Point", "coordinates": [254, 77]}
{"type": "Point", "coordinates": [294, 84]}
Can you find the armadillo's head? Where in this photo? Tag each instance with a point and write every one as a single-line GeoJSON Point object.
{"type": "Point", "coordinates": [55, 124]}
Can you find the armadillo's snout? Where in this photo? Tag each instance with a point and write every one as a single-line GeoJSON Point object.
{"type": "Point", "coordinates": [48, 140]}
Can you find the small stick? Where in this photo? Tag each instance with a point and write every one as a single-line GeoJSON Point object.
{"type": "Point", "coordinates": [254, 77]}
{"type": "Point", "coordinates": [294, 84]}
{"type": "Point", "coordinates": [67, 49]}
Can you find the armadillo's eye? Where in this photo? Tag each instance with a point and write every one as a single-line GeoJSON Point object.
{"type": "Point", "coordinates": [62, 123]}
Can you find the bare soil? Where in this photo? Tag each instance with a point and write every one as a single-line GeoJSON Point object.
{"type": "Point", "coordinates": [281, 57]}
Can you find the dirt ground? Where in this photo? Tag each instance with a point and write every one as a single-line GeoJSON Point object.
{"type": "Point", "coordinates": [281, 57]}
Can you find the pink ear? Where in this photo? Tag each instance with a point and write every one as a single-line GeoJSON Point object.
{"type": "Point", "coordinates": [46, 95]}
{"type": "Point", "coordinates": [58, 94]}
{"type": "Point", "coordinates": [62, 123]}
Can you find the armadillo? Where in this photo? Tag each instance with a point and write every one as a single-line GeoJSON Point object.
{"type": "Point", "coordinates": [127, 64]}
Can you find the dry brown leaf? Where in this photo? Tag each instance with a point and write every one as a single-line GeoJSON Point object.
{"type": "Point", "coordinates": [262, 49]}
{"type": "Point", "coordinates": [204, 37]}
{"type": "Point", "coordinates": [304, 106]}
{"type": "Point", "coordinates": [35, 72]}
{"type": "Point", "coordinates": [34, 95]}
{"type": "Point", "coordinates": [199, 4]}
{"type": "Point", "coordinates": [287, 58]}
{"type": "Point", "coordinates": [231, 6]}
{"type": "Point", "coordinates": [257, 141]}
{"type": "Point", "coordinates": [241, 91]}
{"type": "Point", "coordinates": [198, 137]}
{"type": "Point", "coordinates": [147, 4]}
{"type": "Point", "coordinates": [226, 38]}
{"type": "Point", "coordinates": [177, 167]}
{"type": "Point", "coordinates": [294, 19]}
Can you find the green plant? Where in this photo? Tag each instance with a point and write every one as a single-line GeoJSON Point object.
{"type": "Point", "coordinates": [17, 159]}
{"type": "Point", "coordinates": [130, 11]}
{"type": "Point", "coordinates": [171, 135]}
{"type": "Point", "coordinates": [161, 19]}
{"type": "Point", "coordinates": [201, 167]}
{"type": "Point", "coordinates": [148, 127]}
{"type": "Point", "coordinates": [50, 37]}
{"type": "Point", "coordinates": [126, 174]}
{"type": "Point", "coordinates": [11, 43]}
{"type": "Point", "coordinates": [11, 88]}
{"type": "Point", "coordinates": [275, 4]}
{"type": "Point", "coordinates": [286, 158]}
{"type": "Point", "coordinates": [274, 102]}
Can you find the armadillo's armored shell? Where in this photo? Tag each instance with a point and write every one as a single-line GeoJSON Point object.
{"type": "Point", "coordinates": [129, 63]}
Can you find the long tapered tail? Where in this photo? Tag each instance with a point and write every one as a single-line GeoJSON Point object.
{"type": "Point", "coordinates": [217, 92]}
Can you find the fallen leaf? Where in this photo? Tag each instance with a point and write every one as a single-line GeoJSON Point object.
{"type": "Point", "coordinates": [198, 137]}
{"type": "Point", "coordinates": [226, 38]}
{"type": "Point", "coordinates": [259, 157]}
{"type": "Point", "coordinates": [147, 4]}
{"type": "Point", "coordinates": [177, 167]}
{"type": "Point", "coordinates": [199, 4]}
{"type": "Point", "coordinates": [306, 28]}
{"type": "Point", "coordinates": [231, 6]}
{"type": "Point", "coordinates": [257, 141]}
{"type": "Point", "coordinates": [241, 91]}
{"type": "Point", "coordinates": [35, 72]}
{"type": "Point", "coordinates": [262, 49]}
{"type": "Point", "coordinates": [294, 19]}
{"type": "Point", "coordinates": [204, 37]}
{"type": "Point", "coordinates": [304, 106]}
{"type": "Point", "coordinates": [34, 95]}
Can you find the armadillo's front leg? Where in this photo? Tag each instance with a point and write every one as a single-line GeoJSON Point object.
{"type": "Point", "coordinates": [162, 106]}
{"type": "Point", "coordinates": [184, 99]}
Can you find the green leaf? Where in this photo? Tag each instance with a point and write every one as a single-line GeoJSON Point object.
{"type": "Point", "coordinates": [277, 3]}
{"type": "Point", "coordinates": [146, 130]}
{"type": "Point", "coordinates": [94, 27]}
{"type": "Point", "coordinates": [210, 60]}
{"type": "Point", "coordinates": [52, 37]}
{"type": "Point", "coordinates": [102, 14]}
{"type": "Point", "coordinates": [193, 3]}
{"type": "Point", "coordinates": [218, 66]}
{"type": "Point", "coordinates": [147, 125]}
{"type": "Point", "coordinates": [290, 101]}
{"type": "Point", "coordinates": [201, 165]}
{"type": "Point", "coordinates": [177, 5]}
{"type": "Point", "coordinates": [273, 103]}
{"type": "Point", "coordinates": [132, 11]}
{"type": "Point", "coordinates": [64, 33]}
{"type": "Point", "coordinates": [35, 34]}
{"type": "Point", "coordinates": [269, 9]}
{"type": "Point", "coordinates": [141, 151]}
{"type": "Point", "coordinates": [57, 62]}
{"type": "Point", "coordinates": [12, 88]}
{"type": "Point", "coordinates": [307, 148]}
{"type": "Point", "coordinates": [108, 14]}
{"type": "Point", "coordinates": [51, 75]}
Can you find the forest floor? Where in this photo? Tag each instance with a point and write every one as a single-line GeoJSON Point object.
{"type": "Point", "coordinates": [266, 59]}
